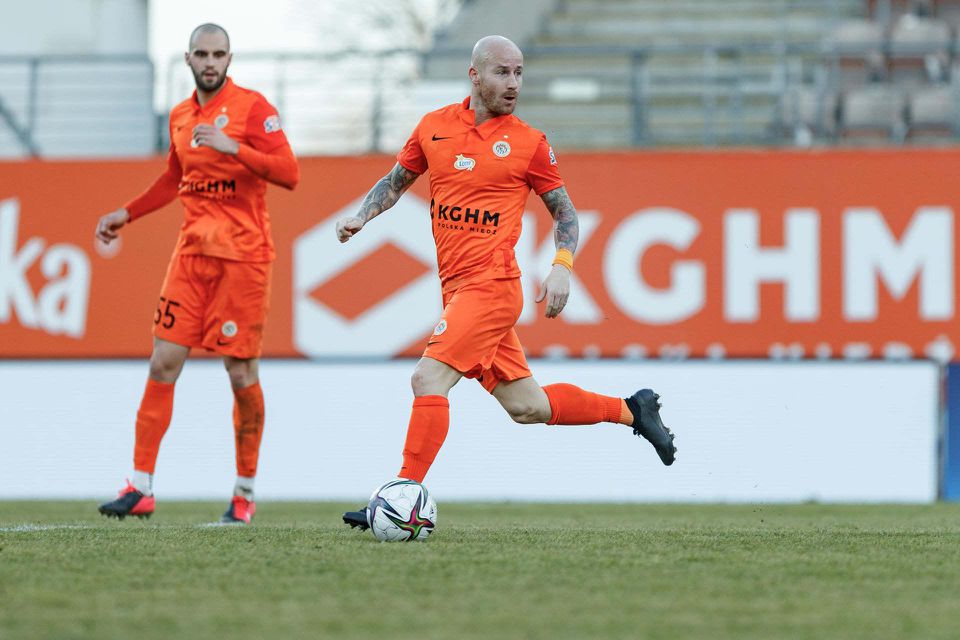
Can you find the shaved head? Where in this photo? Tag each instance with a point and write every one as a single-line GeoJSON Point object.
{"type": "Point", "coordinates": [208, 28]}
{"type": "Point", "coordinates": [496, 69]}
{"type": "Point", "coordinates": [492, 46]}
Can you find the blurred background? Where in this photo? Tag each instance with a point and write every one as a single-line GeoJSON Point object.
{"type": "Point", "coordinates": [768, 238]}
{"type": "Point", "coordinates": [85, 78]}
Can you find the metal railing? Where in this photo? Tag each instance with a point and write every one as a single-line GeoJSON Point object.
{"type": "Point", "coordinates": [76, 105]}
{"type": "Point", "coordinates": [354, 102]}
{"type": "Point", "coordinates": [716, 95]}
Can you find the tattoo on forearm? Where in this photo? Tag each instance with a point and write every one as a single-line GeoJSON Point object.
{"type": "Point", "coordinates": [386, 192]}
{"type": "Point", "coordinates": [566, 229]}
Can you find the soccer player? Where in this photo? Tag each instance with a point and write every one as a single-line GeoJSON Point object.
{"type": "Point", "coordinates": [483, 162]}
{"type": "Point", "coordinates": [226, 143]}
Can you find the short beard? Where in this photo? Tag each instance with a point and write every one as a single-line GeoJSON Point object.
{"type": "Point", "coordinates": [201, 85]}
{"type": "Point", "coordinates": [491, 105]}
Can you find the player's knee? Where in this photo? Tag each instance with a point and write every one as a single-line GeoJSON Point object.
{"type": "Point", "coordinates": [420, 382]}
{"type": "Point", "coordinates": [240, 379]}
{"type": "Point", "coordinates": [242, 373]}
{"type": "Point", "coordinates": [524, 413]}
{"type": "Point", "coordinates": [164, 369]}
{"type": "Point", "coordinates": [428, 381]}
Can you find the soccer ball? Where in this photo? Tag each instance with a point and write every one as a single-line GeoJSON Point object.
{"type": "Point", "coordinates": [401, 511]}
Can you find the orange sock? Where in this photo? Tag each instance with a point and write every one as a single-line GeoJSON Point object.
{"type": "Point", "coordinates": [248, 428]}
{"type": "Point", "coordinates": [153, 418]}
{"type": "Point", "coordinates": [569, 404]}
{"type": "Point", "coordinates": [429, 422]}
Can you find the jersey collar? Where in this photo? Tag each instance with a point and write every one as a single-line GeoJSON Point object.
{"type": "Point", "coordinates": [469, 117]}
{"type": "Point", "coordinates": [218, 99]}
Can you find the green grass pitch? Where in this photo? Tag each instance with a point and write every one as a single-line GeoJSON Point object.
{"type": "Point", "coordinates": [489, 571]}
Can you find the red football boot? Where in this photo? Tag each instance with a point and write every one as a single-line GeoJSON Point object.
{"type": "Point", "coordinates": [240, 511]}
{"type": "Point", "coordinates": [129, 502]}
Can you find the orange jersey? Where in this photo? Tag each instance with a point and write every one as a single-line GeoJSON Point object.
{"type": "Point", "coordinates": [480, 177]}
{"type": "Point", "coordinates": [225, 214]}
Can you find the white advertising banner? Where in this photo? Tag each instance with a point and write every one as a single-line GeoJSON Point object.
{"type": "Point", "coordinates": [749, 431]}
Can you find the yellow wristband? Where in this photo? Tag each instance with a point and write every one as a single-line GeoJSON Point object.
{"type": "Point", "coordinates": [564, 257]}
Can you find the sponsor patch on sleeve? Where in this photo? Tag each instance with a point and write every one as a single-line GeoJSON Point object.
{"type": "Point", "coordinates": [272, 124]}
{"type": "Point", "coordinates": [553, 158]}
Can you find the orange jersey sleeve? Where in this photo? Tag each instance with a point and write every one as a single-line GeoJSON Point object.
{"type": "Point", "coordinates": [279, 166]}
{"type": "Point", "coordinates": [264, 132]}
{"type": "Point", "coordinates": [267, 152]}
{"type": "Point", "coordinates": [161, 192]}
{"type": "Point", "coordinates": [542, 173]}
{"type": "Point", "coordinates": [411, 156]}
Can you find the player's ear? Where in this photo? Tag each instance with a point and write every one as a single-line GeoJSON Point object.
{"type": "Point", "coordinates": [474, 75]}
{"type": "Point", "coordinates": [186, 57]}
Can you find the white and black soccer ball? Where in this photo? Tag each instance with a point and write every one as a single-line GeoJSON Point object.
{"type": "Point", "coordinates": [401, 511]}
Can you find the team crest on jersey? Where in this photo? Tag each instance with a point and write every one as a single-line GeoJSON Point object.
{"type": "Point", "coordinates": [462, 162]}
{"type": "Point", "coordinates": [501, 148]}
{"type": "Point", "coordinates": [553, 158]}
{"type": "Point", "coordinates": [229, 328]}
{"type": "Point", "coordinates": [272, 124]}
{"type": "Point", "coordinates": [440, 328]}
{"type": "Point", "coordinates": [221, 121]}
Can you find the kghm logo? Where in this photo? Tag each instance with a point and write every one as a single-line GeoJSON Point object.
{"type": "Point", "coordinates": [210, 186]}
{"type": "Point", "coordinates": [466, 215]}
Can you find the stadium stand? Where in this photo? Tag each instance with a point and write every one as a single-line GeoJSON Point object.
{"type": "Point", "coordinates": [70, 106]}
{"type": "Point", "coordinates": [933, 115]}
{"type": "Point", "coordinates": [639, 72]}
{"type": "Point", "coordinates": [809, 113]}
{"type": "Point", "coordinates": [874, 112]}
{"type": "Point", "coordinates": [601, 74]}
{"type": "Point", "coordinates": [653, 73]}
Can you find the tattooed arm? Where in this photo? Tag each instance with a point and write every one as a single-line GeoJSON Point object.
{"type": "Point", "coordinates": [381, 197]}
{"type": "Point", "coordinates": [566, 229]}
{"type": "Point", "coordinates": [566, 233]}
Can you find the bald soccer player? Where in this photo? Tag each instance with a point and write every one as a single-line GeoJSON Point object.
{"type": "Point", "coordinates": [226, 144]}
{"type": "Point", "coordinates": [483, 162]}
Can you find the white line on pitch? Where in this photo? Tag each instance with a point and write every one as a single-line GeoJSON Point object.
{"type": "Point", "coordinates": [21, 528]}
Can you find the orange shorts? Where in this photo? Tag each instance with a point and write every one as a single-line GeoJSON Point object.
{"type": "Point", "coordinates": [217, 304]}
{"type": "Point", "coordinates": [476, 334]}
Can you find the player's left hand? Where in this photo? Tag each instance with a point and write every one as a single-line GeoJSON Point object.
{"type": "Point", "coordinates": [207, 135]}
{"type": "Point", "coordinates": [556, 290]}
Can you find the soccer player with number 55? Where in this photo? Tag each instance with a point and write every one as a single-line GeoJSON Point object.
{"type": "Point", "coordinates": [226, 143]}
{"type": "Point", "coordinates": [483, 162]}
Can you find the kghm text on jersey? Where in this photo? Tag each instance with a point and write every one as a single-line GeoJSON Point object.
{"type": "Point", "coordinates": [466, 215]}
{"type": "Point", "coordinates": [222, 187]}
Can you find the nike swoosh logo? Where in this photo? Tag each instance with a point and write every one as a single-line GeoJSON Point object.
{"type": "Point", "coordinates": [221, 343]}
{"type": "Point", "coordinates": [435, 138]}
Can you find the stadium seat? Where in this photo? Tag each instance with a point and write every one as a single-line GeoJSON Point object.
{"type": "Point", "coordinates": [949, 11]}
{"type": "Point", "coordinates": [809, 113]}
{"type": "Point", "coordinates": [854, 50]}
{"type": "Point", "coordinates": [919, 49]}
{"type": "Point", "coordinates": [855, 38]}
{"type": "Point", "coordinates": [933, 114]}
{"type": "Point", "coordinates": [874, 113]}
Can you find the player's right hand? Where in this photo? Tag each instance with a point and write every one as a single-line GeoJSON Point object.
{"type": "Point", "coordinates": [109, 225]}
{"type": "Point", "coordinates": [348, 227]}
